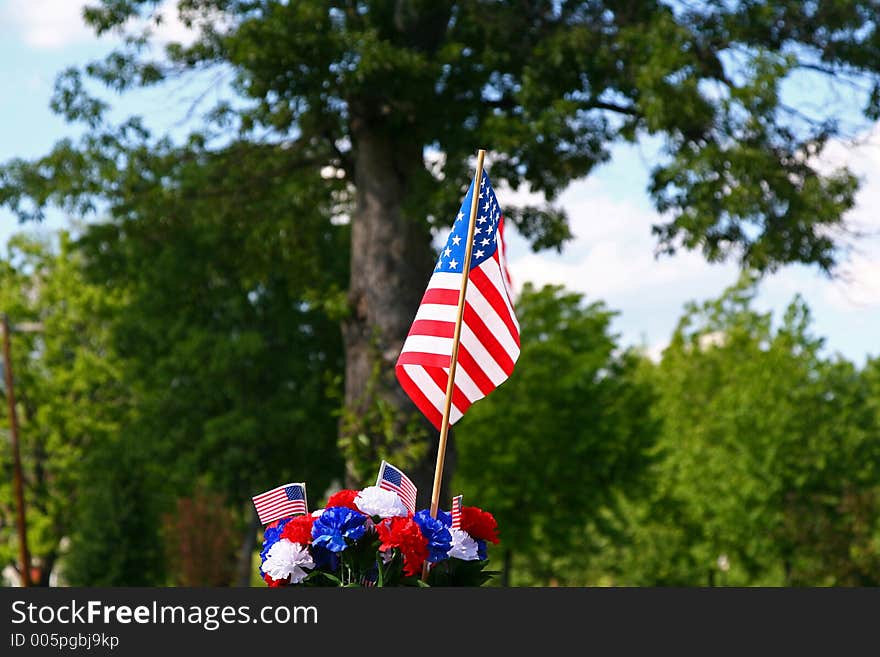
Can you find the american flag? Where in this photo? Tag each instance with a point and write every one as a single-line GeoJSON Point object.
{"type": "Point", "coordinates": [456, 512]}
{"type": "Point", "coordinates": [390, 478]}
{"type": "Point", "coordinates": [281, 502]}
{"type": "Point", "coordinates": [489, 343]}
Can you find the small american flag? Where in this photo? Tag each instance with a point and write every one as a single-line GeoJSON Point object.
{"type": "Point", "coordinates": [489, 344]}
{"type": "Point", "coordinates": [390, 478]}
{"type": "Point", "coordinates": [282, 502]}
{"type": "Point", "coordinates": [456, 512]}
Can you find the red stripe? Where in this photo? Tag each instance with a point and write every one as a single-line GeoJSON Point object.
{"type": "Point", "coordinates": [408, 499]}
{"type": "Point", "coordinates": [440, 377]}
{"type": "Point", "coordinates": [433, 327]}
{"type": "Point", "coordinates": [440, 296]}
{"type": "Point", "coordinates": [434, 416]}
{"type": "Point", "coordinates": [478, 376]}
{"type": "Point", "coordinates": [293, 504]}
{"type": "Point", "coordinates": [493, 296]}
{"type": "Point", "coordinates": [423, 359]}
{"type": "Point", "coordinates": [489, 342]}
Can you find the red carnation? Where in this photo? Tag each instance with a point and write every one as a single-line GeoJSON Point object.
{"type": "Point", "coordinates": [405, 534]}
{"type": "Point", "coordinates": [275, 583]}
{"type": "Point", "coordinates": [299, 530]}
{"type": "Point", "coordinates": [344, 498]}
{"type": "Point", "coordinates": [479, 524]}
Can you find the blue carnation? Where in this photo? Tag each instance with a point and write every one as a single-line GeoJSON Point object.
{"type": "Point", "coordinates": [270, 537]}
{"type": "Point", "coordinates": [335, 525]}
{"type": "Point", "coordinates": [439, 538]}
{"type": "Point", "coordinates": [445, 517]}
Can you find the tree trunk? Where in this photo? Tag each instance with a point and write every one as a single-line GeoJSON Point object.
{"type": "Point", "coordinates": [245, 566]}
{"type": "Point", "coordinates": [391, 262]}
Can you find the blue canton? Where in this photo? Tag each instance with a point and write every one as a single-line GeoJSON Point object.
{"type": "Point", "coordinates": [485, 240]}
{"type": "Point", "coordinates": [294, 493]}
{"type": "Point", "coordinates": [391, 475]}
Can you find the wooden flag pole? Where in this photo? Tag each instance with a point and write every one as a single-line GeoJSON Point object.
{"type": "Point", "coordinates": [456, 337]}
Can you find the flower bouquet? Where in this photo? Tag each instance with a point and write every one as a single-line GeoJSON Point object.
{"type": "Point", "coordinates": [370, 538]}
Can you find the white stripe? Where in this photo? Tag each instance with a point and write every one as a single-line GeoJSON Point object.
{"type": "Point", "coordinates": [438, 312]}
{"type": "Point", "coordinates": [428, 344]}
{"type": "Point", "coordinates": [466, 384]}
{"type": "Point", "coordinates": [445, 281]}
{"type": "Point", "coordinates": [492, 321]}
{"type": "Point", "coordinates": [283, 504]}
{"type": "Point", "coordinates": [484, 359]}
{"type": "Point", "coordinates": [490, 268]}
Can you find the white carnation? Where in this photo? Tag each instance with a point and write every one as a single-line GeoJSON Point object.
{"type": "Point", "coordinates": [463, 546]}
{"type": "Point", "coordinates": [317, 513]}
{"type": "Point", "coordinates": [287, 559]}
{"type": "Point", "coordinates": [375, 501]}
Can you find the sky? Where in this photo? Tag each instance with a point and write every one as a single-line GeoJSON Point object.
{"type": "Point", "coordinates": [611, 257]}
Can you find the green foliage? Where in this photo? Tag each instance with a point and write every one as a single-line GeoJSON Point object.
{"type": "Point", "coordinates": [547, 454]}
{"type": "Point", "coordinates": [768, 457]}
{"type": "Point", "coordinates": [72, 401]}
{"type": "Point", "coordinates": [314, 78]}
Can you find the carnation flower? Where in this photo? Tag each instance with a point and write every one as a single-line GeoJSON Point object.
{"type": "Point", "coordinates": [287, 560]}
{"type": "Point", "coordinates": [336, 525]}
{"type": "Point", "coordinates": [274, 583]}
{"type": "Point", "coordinates": [271, 535]}
{"type": "Point", "coordinates": [439, 540]}
{"type": "Point", "coordinates": [464, 547]}
{"type": "Point", "coordinates": [405, 534]}
{"type": "Point", "coordinates": [479, 524]}
{"type": "Point", "coordinates": [344, 498]}
{"type": "Point", "coordinates": [375, 501]}
{"type": "Point", "coordinates": [299, 530]}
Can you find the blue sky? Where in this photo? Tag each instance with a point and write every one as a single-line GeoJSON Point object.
{"type": "Point", "coordinates": [611, 258]}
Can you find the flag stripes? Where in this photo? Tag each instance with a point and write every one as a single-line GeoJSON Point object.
{"type": "Point", "coordinates": [393, 479]}
{"type": "Point", "coordinates": [281, 502]}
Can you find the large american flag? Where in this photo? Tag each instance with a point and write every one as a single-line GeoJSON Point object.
{"type": "Point", "coordinates": [489, 343]}
{"type": "Point", "coordinates": [390, 478]}
{"type": "Point", "coordinates": [281, 502]}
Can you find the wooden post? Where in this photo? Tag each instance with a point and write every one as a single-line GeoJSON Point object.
{"type": "Point", "coordinates": [23, 556]}
{"type": "Point", "coordinates": [456, 337]}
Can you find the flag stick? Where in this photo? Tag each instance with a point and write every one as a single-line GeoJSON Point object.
{"type": "Point", "coordinates": [456, 337]}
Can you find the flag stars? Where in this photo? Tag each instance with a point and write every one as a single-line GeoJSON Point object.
{"type": "Point", "coordinates": [447, 252]}
{"type": "Point", "coordinates": [486, 206]}
{"type": "Point", "coordinates": [456, 240]}
{"type": "Point", "coordinates": [482, 219]}
{"type": "Point", "coordinates": [480, 253]}
{"type": "Point", "coordinates": [484, 242]}
{"type": "Point", "coordinates": [460, 216]}
{"type": "Point", "coordinates": [453, 264]}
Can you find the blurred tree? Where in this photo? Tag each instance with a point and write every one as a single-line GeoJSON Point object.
{"type": "Point", "coordinates": [572, 430]}
{"type": "Point", "coordinates": [391, 98]}
{"type": "Point", "coordinates": [72, 399]}
{"type": "Point", "coordinates": [231, 333]}
{"type": "Point", "coordinates": [770, 460]}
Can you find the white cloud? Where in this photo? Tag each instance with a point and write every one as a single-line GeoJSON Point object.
{"type": "Point", "coordinates": [612, 259]}
{"type": "Point", "coordinates": [55, 24]}
{"type": "Point", "coordinates": [47, 24]}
